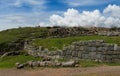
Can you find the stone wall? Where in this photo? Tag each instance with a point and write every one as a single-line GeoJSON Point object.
{"type": "Point", "coordinates": [79, 31]}
{"type": "Point", "coordinates": [96, 50]}
{"type": "Point", "coordinates": [41, 51]}
{"type": "Point", "coordinates": [108, 33]}
{"type": "Point", "coordinates": [70, 31]}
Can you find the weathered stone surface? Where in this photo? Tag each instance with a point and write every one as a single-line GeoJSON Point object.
{"type": "Point", "coordinates": [68, 64]}
{"type": "Point", "coordinates": [109, 33]}
{"type": "Point", "coordinates": [115, 47]}
{"type": "Point", "coordinates": [19, 66]}
{"type": "Point", "coordinates": [42, 64]}
{"type": "Point", "coordinates": [58, 64]}
{"type": "Point", "coordinates": [93, 50]}
{"type": "Point", "coordinates": [46, 58]}
{"type": "Point", "coordinates": [35, 64]}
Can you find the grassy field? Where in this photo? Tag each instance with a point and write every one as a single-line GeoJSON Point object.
{"type": "Point", "coordinates": [88, 63]}
{"type": "Point", "coordinates": [26, 32]}
{"type": "Point", "coordinates": [60, 42]}
{"type": "Point", "coordinates": [9, 61]}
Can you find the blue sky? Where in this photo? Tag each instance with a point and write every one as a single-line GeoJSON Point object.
{"type": "Point", "coordinates": [15, 13]}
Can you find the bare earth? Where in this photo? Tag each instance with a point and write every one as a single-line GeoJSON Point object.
{"type": "Point", "coordinates": [92, 71]}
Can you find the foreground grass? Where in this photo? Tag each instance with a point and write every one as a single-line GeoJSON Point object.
{"type": "Point", "coordinates": [60, 42]}
{"type": "Point", "coordinates": [89, 63]}
{"type": "Point", "coordinates": [9, 61]}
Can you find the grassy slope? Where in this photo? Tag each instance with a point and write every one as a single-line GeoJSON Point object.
{"type": "Point", "coordinates": [14, 34]}
{"type": "Point", "coordinates": [28, 32]}
{"type": "Point", "coordinates": [9, 61]}
{"type": "Point", "coordinates": [11, 35]}
{"type": "Point", "coordinates": [60, 42]}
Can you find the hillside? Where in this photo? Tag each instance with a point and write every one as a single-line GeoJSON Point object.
{"type": "Point", "coordinates": [13, 39]}
{"type": "Point", "coordinates": [46, 36]}
{"type": "Point", "coordinates": [27, 32]}
{"type": "Point", "coordinates": [60, 42]}
{"type": "Point", "coordinates": [52, 38]}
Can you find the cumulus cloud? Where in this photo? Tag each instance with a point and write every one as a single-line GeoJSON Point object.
{"type": "Point", "coordinates": [109, 17]}
{"type": "Point", "coordinates": [112, 10]}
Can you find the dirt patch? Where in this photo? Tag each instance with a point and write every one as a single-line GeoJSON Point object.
{"type": "Point", "coordinates": [92, 71]}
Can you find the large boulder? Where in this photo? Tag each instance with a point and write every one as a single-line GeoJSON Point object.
{"type": "Point", "coordinates": [46, 58]}
{"type": "Point", "coordinates": [35, 64]}
{"type": "Point", "coordinates": [30, 63]}
{"type": "Point", "coordinates": [68, 64]}
{"type": "Point", "coordinates": [58, 64]}
{"type": "Point", "coordinates": [19, 66]}
{"type": "Point", "coordinates": [42, 64]}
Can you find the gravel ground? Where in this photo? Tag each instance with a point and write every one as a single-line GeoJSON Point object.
{"type": "Point", "coordinates": [91, 71]}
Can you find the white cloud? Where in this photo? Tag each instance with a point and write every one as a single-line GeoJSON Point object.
{"type": "Point", "coordinates": [11, 5]}
{"type": "Point", "coordinates": [25, 19]}
{"type": "Point", "coordinates": [110, 21]}
{"type": "Point", "coordinates": [112, 10]}
{"type": "Point", "coordinates": [21, 20]}
{"type": "Point", "coordinates": [109, 17]}
{"type": "Point", "coordinates": [75, 3]}
{"type": "Point", "coordinates": [19, 3]}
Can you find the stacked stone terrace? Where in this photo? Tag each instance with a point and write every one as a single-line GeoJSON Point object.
{"type": "Point", "coordinates": [79, 31]}
{"type": "Point", "coordinates": [70, 31]}
{"type": "Point", "coordinates": [109, 33]}
{"type": "Point", "coordinates": [96, 50]}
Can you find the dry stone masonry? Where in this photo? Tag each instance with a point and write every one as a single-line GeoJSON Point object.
{"type": "Point", "coordinates": [41, 51]}
{"type": "Point", "coordinates": [71, 31]}
{"type": "Point", "coordinates": [106, 33]}
{"type": "Point", "coordinates": [32, 64]}
{"type": "Point", "coordinates": [96, 50]}
{"type": "Point", "coordinates": [79, 31]}
{"type": "Point", "coordinates": [18, 44]}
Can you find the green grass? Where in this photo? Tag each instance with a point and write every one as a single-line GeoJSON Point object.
{"type": "Point", "coordinates": [50, 43]}
{"type": "Point", "coordinates": [18, 34]}
{"type": "Point", "coordinates": [9, 61]}
{"type": "Point", "coordinates": [63, 60]}
{"type": "Point", "coordinates": [60, 42]}
{"type": "Point", "coordinates": [26, 32]}
{"type": "Point", "coordinates": [113, 64]}
{"type": "Point", "coordinates": [90, 63]}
